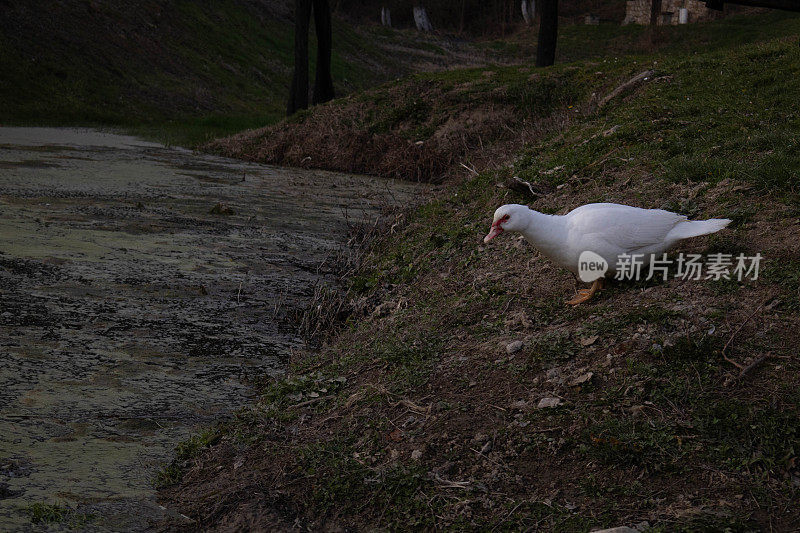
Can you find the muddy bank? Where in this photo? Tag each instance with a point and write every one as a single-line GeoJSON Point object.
{"type": "Point", "coordinates": [130, 314]}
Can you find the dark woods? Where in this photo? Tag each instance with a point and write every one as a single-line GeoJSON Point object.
{"type": "Point", "coordinates": [323, 83]}
{"type": "Point", "coordinates": [474, 18]}
{"type": "Point", "coordinates": [471, 18]}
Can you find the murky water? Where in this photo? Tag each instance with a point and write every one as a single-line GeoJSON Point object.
{"type": "Point", "coordinates": [130, 314]}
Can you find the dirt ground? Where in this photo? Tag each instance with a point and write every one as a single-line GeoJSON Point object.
{"type": "Point", "coordinates": [141, 288]}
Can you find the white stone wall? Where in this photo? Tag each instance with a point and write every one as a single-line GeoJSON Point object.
{"type": "Point", "coordinates": [638, 11]}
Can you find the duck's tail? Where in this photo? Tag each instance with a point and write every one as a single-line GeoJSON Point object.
{"type": "Point", "coordinates": [695, 228]}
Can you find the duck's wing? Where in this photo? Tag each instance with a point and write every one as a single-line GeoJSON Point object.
{"type": "Point", "coordinates": [628, 229]}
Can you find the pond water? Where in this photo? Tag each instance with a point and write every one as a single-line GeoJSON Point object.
{"type": "Point", "coordinates": [132, 312]}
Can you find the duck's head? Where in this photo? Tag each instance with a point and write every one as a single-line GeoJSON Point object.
{"type": "Point", "coordinates": [510, 217]}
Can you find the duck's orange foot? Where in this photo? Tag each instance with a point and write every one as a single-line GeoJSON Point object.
{"type": "Point", "coordinates": [582, 296]}
{"type": "Point", "coordinates": [586, 294]}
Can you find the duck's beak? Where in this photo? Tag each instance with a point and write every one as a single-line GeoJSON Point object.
{"type": "Point", "coordinates": [494, 232]}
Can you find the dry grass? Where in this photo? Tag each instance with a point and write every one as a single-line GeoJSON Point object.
{"type": "Point", "coordinates": [423, 128]}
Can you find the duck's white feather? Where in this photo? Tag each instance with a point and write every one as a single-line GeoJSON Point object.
{"type": "Point", "coordinates": [609, 230]}
{"type": "Point", "coordinates": [621, 226]}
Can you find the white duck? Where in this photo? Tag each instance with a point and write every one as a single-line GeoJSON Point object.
{"type": "Point", "coordinates": [608, 230]}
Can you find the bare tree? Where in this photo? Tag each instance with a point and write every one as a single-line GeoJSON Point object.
{"type": "Point", "coordinates": [323, 83]}
{"type": "Point", "coordinates": [528, 10]}
{"type": "Point", "coordinates": [548, 33]}
{"type": "Point", "coordinates": [298, 93]}
{"type": "Point", "coordinates": [421, 19]}
{"type": "Point", "coordinates": [655, 12]}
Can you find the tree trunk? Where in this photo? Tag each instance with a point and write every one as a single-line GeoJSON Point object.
{"type": "Point", "coordinates": [323, 83]}
{"type": "Point", "coordinates": [655, 12]}
{"type": "Point", "coordinates": [386, 17]}
{"type": "Point", "coordinates": [298, 93]}
{"type": "Point", "coordinates": [501, 19]}
{"type": "Point", "coordinates": [548, 34]}
{"type": "Point", "coordinates": [528, 11]}
{"type": "Point", "coordinates": [421, 19]}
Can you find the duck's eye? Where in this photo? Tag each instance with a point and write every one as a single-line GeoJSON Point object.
{"type": "Point", "coordinates": [506, 217]}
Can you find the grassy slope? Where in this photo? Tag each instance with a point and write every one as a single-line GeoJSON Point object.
{"type": "Point", "coordinates": [172, 70]}
{"type": "Point", "coordinates": [587, 42]}
{"type": "Point", "coordinates": [418, 128]}
{"type": "Point", "coordinates": [416, 415]}
{"type": "Point", "coordinates": [423, 126]}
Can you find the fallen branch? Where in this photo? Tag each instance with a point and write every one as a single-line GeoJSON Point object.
{"type": "Point", "coordinates": [734, 363]}
{"type": "Point", "coordinates": [355, 397]}
{"type": "Point", "coordinates": [380, 389]}
{"type": "Point", "coordinates": [313, 401]}
{"type": "Point", "coordinates": [753, 365]}
{"type": "Point", "coordinates": [525, 187]}
{"type": "Point", "coordinates": [451, 484]}
{"type": "Point", "coordinates": [507, 516]}
{"type": "Point", "coordinates": [600, 161]}
{"type": "Point", "coordinates": [411, 406]}
{"type": "Point", "coordinates": [740, 366]}
{"type": "Point", "coordinates": [624, 87]}
{"type": "Point", "coordinates": [472, 170]}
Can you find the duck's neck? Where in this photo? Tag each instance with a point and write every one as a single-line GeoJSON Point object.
{"type": "Point", "coordinates": [548, 233]}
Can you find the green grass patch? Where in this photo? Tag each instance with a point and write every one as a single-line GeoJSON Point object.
{"type": "Point", "coordinates": [622, 442]}
{"type": "Point", "coordinates": [191, 447]}
{"type": "Point", "coordinates": [409, 361]}
{"type": "Point", "coordinates": [56, 513]}
{"type": "Point", "coordinates": [745, 129]}
{"type": "Point", "coordinates": [610, 40]}
{"type": "Point", "coordinates": [746, 437]}
{"type": "Point", "coordinates": [343, 484]}
{"type": "Point", "coordinates": [553, 347]}
{"type": "Point", "coordinates": [168, 475]}
{"type": "Point", "coordinates": [285, 392]}
{"type": "Point", "coordinates": [187, 450]}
